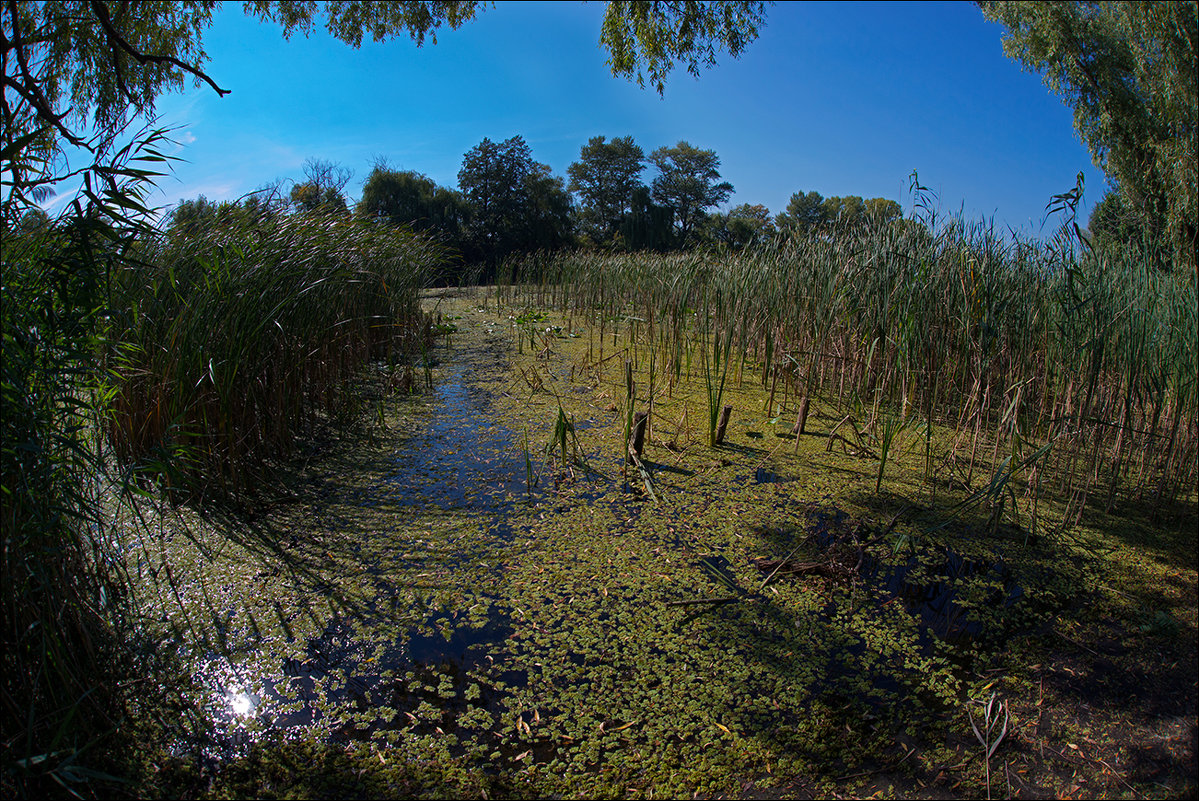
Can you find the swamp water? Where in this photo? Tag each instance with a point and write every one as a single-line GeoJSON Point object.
{"type": "Point", "coordinates": [419, 594]}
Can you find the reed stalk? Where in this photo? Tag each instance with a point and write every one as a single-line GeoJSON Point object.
{"type": "Point", "coordinates": [1000, 342]}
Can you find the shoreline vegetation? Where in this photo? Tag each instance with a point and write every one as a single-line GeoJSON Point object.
{"type": "Point", "coordinates": [458, 583]}
{"type": "Point", "coordinates": [641, 501]}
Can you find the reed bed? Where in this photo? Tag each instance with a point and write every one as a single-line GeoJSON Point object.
{"type": "Point", "coordinates": [64, 638]}
{"type": "Point", "coordinates": [1045, 365]}
{"type": "Point", "coordinates": [237, 338]}
{"type": "Point", "coordinates": [194, 356]}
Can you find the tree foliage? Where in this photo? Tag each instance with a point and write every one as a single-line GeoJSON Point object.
{"type": "Point", "coordinates": [652, 36]}
{"type": "Point", "coordinates": [409, 198]}
{"type": "Point", "coordinates": [1114, 224]}
{"type": "Point", "coordinates": [1128, 70]}
{"type": "Point", "coordinates": [72, 65]}
{"type": "Point", "coordinates": [647, 226]}
{"type": "Point", "coordinates": [494, 181]}
{"type": "Point", "coordinates": [605, 177]}
{"type": "Point", "coordinates": [804, 213]}
{"type": "Point", "coordinates": [80, 71]}
{"type": "Point", "coordinates": [548, 218]}
{"type": "Point", "coordinates": [351, 20]}
{"type": "Point", "coordinates": [746, 225]}
{"type": "Point", "coordinates": [808, 212]}
{"type": "Point", "coordinates": [322, 188]}
{"type": "Point", "coordinates": [516, 204]}
{"type": "Point", "coordinates": [882, 210]}
{"type": "Point", "coordinates": [688, 182]}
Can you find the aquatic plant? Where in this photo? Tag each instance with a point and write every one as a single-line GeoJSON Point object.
{"type": "Point", "coordinates": [889, 427]}
{"type": "Point", "coordinates": [716, 372]}
{"type": "Point", "coordinates": [239, 336]}
{"type": "Point", "coordinates": [564, 439]}
{"type": "Point", "coordinates": [990, 343]}
{"type": "Point", "coordinates": [986, 738]}
{"type": "Point", "coordinates": [65, 602]}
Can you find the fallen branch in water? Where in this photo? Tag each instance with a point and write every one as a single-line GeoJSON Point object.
{"type": "Point", "coordinates": [692, 601]}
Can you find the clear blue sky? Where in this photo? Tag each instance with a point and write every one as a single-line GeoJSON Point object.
{"type": "Point", "coordinates": [840, 98]}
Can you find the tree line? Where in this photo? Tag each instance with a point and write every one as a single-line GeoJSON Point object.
{"type": "Point", "coordinates": [508, 203]}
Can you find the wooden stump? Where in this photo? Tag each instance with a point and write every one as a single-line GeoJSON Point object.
{"type": "Point", "coordinates": [639, 420]}
{"type": "Point", "coordinates": [724, 421]}
{"type": "Point", "coordinates": [801, 419]}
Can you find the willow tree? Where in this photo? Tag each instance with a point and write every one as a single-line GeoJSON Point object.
{"type": "Point", "coordinates": [79, 71]}
{"type": "Point", "coordinates": [1128, 70]}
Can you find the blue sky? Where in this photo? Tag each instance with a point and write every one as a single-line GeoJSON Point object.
{"type": "Point", "coordinates": [840, 98]}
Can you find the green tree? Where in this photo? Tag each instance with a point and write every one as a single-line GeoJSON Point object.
{"type": "Point", "coordinates": [1128, 72]}
{"type": "Point", "coordinates": [322, 188]}
{"type": "Point", "coordinates": [744, 226]}
{"type": "Point", "coordinates": [647, 226]}
{"type": "Point", "coordinates": [515, 204]}
{"type": "Point", "coordinates": [80, 70]}
{"type": "Point", "coordinates": [656, 35]}
{"type": "Point", "coordinates": [881, 211]}
{"type": "Point", "coordinates": [810, 212]}
{"type": "Point", "coordinates": [548, 215]}
{"type": "Point", "coordinates": [190, 217]}
{"type": "Point", "coordinates": [494, 182]}
{"type": "Point", "coordinates": [804, 213]}
{"type": "Point", "coordinates": [605, 177]}
{"type": "Point", "coordinates": [77, 71]}
{"type": "Point", "coordinates": [1113, 224]}
{"type": "Point", "coordinates": [845, 211]}
{"type": "Point", "coordinates": [409, 198]}
{"type": "Point", "coordinates": [687, 185]}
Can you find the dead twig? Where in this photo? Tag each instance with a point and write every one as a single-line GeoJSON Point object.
{"type": "Point", "coordinates": [693, 601]}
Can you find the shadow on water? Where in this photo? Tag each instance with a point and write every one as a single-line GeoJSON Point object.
{"type": "Point", "coordinates": [357, 685]}
{"type": "Point", "coordinates": [861, 638]}
{"type": "Point", "coordinates": [956, 598]}
{"type": "Point", "coordinates": [377, 664]}
{"type": "Point", "coordinates": [764, 476]}
{"type": "Point", "coordinates": [949, 603]}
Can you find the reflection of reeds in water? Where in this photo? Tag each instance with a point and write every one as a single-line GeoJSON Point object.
{"type": "Point", "coordinates": [530, 478]}
{"type": "Point", "coordinates": [995, 344]}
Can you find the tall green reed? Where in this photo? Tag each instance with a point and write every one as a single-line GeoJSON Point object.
{"type": "Point", "coordinates": [126, 351]}
{"type": "Point", "coordinates": [716, 372]}
{"type": "Point", "coordinates": [66, 624]}
{"type": "Point", "coordinates": [246, 334]}
{"type": "Point", "coordinates": [998, 343]}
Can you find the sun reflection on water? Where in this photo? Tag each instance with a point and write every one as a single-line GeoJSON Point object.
{"type": "Point", "coordinates": [242, 703]}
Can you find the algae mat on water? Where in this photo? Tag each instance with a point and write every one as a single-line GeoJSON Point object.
{"type": "Point", "coordinates": [475, 591]}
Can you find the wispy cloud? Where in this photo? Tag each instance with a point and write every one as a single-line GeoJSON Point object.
{"type": "Point", "coordinates": [180, 140]}
{"type": "Point", "coordinates": [214, 191]}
